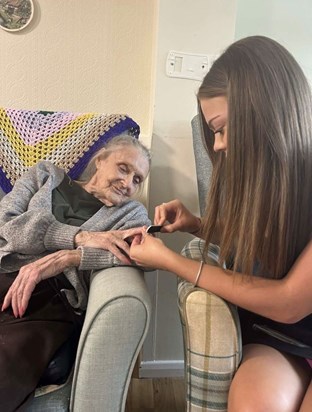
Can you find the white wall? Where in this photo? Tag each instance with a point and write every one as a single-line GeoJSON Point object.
{"type": "Point", "coordinates": [201, 26]}
{"type": "Point", "coordinates": [287, 21]}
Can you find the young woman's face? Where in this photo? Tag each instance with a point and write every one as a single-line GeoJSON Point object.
{"type": "Point", "coordinates": [215, 111]}
{"type": "Point", "coordinates": [119, 175]}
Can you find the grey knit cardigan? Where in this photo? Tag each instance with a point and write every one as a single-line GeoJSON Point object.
{"type": "Point", "coordinates": [28, 229]}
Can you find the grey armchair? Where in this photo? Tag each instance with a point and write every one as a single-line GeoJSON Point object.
{"type": "Point", "coordinates": [119, 306]}
{"type": "Point", "coordinates": [114, 329]}
{"type": "Point", "coordinates": [211, 329]}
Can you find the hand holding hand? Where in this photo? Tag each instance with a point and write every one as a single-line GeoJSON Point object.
{"type": "Point", "coordinates": [116, 241]}
{"type": "Point", "coordinates": [174, 216]}
{"type": "Point", "coordinates": [148, 251]}
{"type": "Point", "coordinates": [30, 275]}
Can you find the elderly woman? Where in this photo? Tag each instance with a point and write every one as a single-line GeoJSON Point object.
{"type": "Point", "coordinates": [53, 232]}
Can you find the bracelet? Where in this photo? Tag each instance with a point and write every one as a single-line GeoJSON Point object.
{"type": "Point", "coordinates": [199, 273]}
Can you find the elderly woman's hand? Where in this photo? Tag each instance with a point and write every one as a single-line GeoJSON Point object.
{"type": "Point", "coordinates": [116, 241]}
{"type": "Point", "coordinates": [30, 275]}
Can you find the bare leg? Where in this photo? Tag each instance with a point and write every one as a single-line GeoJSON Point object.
{"type": "Point", "coordinates": [268, 381]}
{"type": "Point", "coordinates": [306, 405]}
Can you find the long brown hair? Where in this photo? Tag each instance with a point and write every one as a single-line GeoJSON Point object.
{"type": "Point", "coordinates": [261, 192]}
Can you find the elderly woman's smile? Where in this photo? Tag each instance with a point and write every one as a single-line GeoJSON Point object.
{"type": "Point", "coordinates": [118, 175]}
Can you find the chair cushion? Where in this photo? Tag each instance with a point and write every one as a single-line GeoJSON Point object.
{"type": "Point", "coordinates": [52, 398]}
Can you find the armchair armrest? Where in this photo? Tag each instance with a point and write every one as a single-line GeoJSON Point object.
{"type": "Point", "coordinates": [212, 347]}
{"type": "Point", "coordinates": [212, 340]}
{"type": "Point", "coordinates": [115, 326]}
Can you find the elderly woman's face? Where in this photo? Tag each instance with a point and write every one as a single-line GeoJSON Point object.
{"type": "Point", "coordinates": [119, 175]}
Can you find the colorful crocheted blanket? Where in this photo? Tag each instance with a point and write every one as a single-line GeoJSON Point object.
{"type": "Point", "coordinates": [66, 139]}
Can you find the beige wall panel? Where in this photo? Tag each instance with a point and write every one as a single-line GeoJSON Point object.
{"type": "Point", "coordinates": [79, 55]}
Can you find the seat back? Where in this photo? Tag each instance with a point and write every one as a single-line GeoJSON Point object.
{"type": "Point", "coordinates": [203, 163]}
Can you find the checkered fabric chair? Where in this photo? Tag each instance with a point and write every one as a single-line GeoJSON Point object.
{"type": "Point", "coordinates": [211, 329]}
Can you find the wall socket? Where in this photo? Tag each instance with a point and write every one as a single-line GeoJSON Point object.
{"type": "Point", "coordinates": [188, 65]}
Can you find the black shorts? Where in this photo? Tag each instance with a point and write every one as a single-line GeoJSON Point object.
{"type": "Point", "coordinates": [295, 339]}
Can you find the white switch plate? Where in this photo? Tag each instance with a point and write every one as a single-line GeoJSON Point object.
{"type": "Point", "coordinates": [188, 65]}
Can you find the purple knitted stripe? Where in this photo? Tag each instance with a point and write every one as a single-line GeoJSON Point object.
{"type": "Point", "coordinates": [5, 183]}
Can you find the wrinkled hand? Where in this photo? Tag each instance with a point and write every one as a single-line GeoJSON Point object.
{"type": "Point", "coordinates": [148, 251]}
{"type": "Point", "coordinates": [30, 275]}
{"type": "Point", "coordinates": [115, 241]}
{"type": "Point", "coordinates": [174, 216]}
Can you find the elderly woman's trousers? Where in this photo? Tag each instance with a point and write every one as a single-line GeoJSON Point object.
{"type": "Point", "coordinates": [27, 344]}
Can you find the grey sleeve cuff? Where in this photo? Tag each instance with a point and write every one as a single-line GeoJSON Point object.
{"type": "Point", "coordinates": [60, 236]}
{"type": "Point", "coordinates": [92, 258]}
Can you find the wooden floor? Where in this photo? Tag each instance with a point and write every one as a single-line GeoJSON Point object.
{"type": "Point", "coordinates": [157, 395]}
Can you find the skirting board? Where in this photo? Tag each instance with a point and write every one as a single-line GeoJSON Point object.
{"type": "Point", "coordinates": [161, 369]}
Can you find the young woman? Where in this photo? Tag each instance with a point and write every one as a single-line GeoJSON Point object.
{"type": "Point", "coordinates": [53, 232]}
{"type": "Point", "coordinates": [256, 110]}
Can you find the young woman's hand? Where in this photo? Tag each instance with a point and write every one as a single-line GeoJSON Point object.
{"type": "Point", "coordinates": [149, 251]}
{"type": "Point", "coordinates": [174, 216]}
{"type": "Point", "coordinates": [116, 241]}
{"type": "Point", "coordinates": [30, 275]}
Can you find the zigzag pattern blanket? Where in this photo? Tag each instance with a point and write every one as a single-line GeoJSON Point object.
{"type": "Point", "coordinates": [66, 139]}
